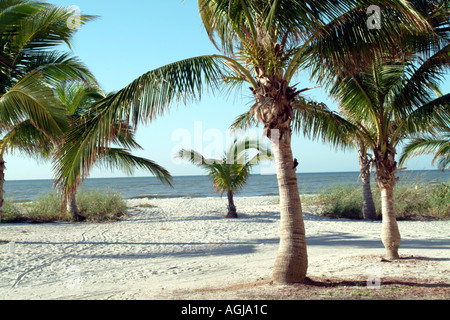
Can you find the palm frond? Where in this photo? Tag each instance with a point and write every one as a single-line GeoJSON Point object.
{"type": "Point", "coordinates": [31, 98]}
{"type": "Point", "coordinates": [317, 122]}
{"type": "Point", "coordinates": [119, 158]}
{"type": "Point", "coordinates": [27, 139]}
{"type": "Point", "coordinates": [439, 146]}
{"type": "Point", "coordinates": [46, 28]}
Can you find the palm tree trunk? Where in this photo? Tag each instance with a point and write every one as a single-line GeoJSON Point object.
{"type": "Point", "coordinates": [386, 166]}
{"type": "Point", "coordinates": [69, 204]}
{"type": "Point", "coordinates": [291, 263]}
{"type": "Point", "coordinates": [231, 207]}
{"type": "Point", "coordinates": [369, 211]}
{"type": "Point", "coordinates": [390, 233]}
{"type": "Point", "coordinates": [274, 99]}
{"type": "Point", "coordinates": [2, 181]}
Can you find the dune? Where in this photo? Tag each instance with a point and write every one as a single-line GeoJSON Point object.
{"type": "Point", "coordinates": [166, 246]}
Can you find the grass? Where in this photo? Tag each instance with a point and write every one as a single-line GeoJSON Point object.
{"type": "Point", "coordinates": [96, 206]}
{"type": "Point", "coordinates": [413, 201]}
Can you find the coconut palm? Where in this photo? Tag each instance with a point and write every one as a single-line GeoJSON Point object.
{"type": "Point", "coordinates": [77, 96]}
{"type": "Point", "coordinates": [395, 98]}
{"type": "Point", "coordinates": [28, 32]}
{"type": "Point", "coordinates": [230, 173]}
{"type": "Point", "coordinates": [261, 44]}
{"type": "Point", "coordinates": [390, 97]}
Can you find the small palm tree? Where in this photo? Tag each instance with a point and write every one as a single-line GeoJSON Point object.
{"type": "Point", "coordinates": [230, 173]}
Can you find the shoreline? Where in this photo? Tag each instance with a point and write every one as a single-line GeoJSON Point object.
{"type": "Point", "coordinates": [186, 244]}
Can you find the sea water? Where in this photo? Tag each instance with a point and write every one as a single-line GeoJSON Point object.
{"type": "Point", "coordinates": [201, 186]}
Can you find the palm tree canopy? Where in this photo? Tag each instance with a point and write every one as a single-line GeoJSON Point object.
{"type": "Point", "coordinates": [285, 29]}
{"type": "Point", "coordinates": [29, 67]}
{"type": "Point", "coordinates": [77, 97]}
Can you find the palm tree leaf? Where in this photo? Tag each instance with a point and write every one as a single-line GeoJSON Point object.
{"type": "Point", "coordinates": [31, 98]}
{"type": "Point", "coordinates": [118, 158]}
{"type": "Point", "coordinates": [26, 138]}
{"type": "Point", "coordinates": [438, 146]}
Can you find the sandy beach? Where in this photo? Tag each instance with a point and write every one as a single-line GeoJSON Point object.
{"type": "Point", "coordinates": [173, 248]}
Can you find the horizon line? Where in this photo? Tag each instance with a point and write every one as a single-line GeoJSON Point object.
{"type": "Point", "coordinates": [205, 175]}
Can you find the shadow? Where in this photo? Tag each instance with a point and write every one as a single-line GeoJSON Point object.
{"type": "Point", "coordinates": [196, 249]}
{"type": "Point", "coordinates": [335, 283]}
{"type": "Point", "coordinates": [216, 251]}
{"type": "Point", "coordinates": [351, 240]}
{"type": "Point", "coordinates": [265, 217]}
{"type": "Point", "coordinates": [424, 258]}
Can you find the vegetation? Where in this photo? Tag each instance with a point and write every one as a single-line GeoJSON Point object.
{"type": "Point", "coordinates": [414, 201]}
{"type": "Point", "coordinates": [29, 64]}
{"type": "Point", "coordinates": [392, 97]}
{"type": "Point", "coordinates": [44, 93]}
{"type": "Point", "coordinates": [261, 44]}
{"type": "Point", "coordinates": [386, 82]}
{"type": "Point", "coordinates": [230, 173]}
{"type": "Point", "coordinates": [95, 205]}
{"type": "Point", "coordinates": [436, 143]}
{"type": "Point", "coordinates": [76, 96]}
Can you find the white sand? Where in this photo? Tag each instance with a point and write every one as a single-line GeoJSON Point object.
{"type": "Point", "coordinates": [186, 243]}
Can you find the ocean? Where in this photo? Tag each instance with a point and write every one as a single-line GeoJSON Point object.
{"type": "Point", "coordinates": [201, 186]}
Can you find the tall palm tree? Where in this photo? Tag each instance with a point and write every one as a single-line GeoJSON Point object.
{"type": "Point", "coordinates": [261, 43]}
{"type": "Point", "coordinates": [391, 98]}
{"type": "Point", "coordinates": [230, 173]}
{"type": "Point", "coordinates": [396, 97]}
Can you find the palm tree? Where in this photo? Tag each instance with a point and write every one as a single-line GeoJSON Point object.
{"type": "Point", "coordinates": [262, 44]}
{"type": "Point", "coordinates": [77, 96]}
{"type": "Point", "coordinates": [230, 173]}
{"type": "Point", "coordinates": [28, 30]}
{"type": "Point", "coordinates": [395, 98]}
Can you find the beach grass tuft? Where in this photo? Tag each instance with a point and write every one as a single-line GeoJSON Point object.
{"type": "Point", "coordinates": [413, 201]}
{"type": "Point", "coordinates": [96, 206]}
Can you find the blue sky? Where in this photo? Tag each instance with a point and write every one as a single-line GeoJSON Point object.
{"type": "Point", "coordinates": [134, 37]}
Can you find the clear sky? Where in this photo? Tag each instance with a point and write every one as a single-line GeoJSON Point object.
{"type": "Point", "coordinates": [133, 37]}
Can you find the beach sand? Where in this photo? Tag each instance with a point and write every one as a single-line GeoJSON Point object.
{"type": "Point", "coordinates": [184, 248]}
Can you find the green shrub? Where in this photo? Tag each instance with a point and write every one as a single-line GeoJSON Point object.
{"type": "Point", "coordinates": [343, 201]}
{"type": "Point", "coordinates": [412, 201]}
{"type": "Point", "coordinates": [96, 206]}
